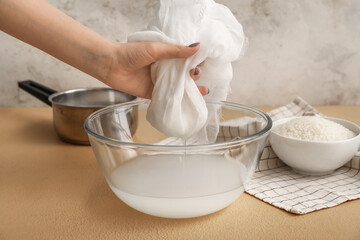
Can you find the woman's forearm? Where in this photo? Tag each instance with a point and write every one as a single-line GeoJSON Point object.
{"type": "Point", "coordinates": [39, 24]}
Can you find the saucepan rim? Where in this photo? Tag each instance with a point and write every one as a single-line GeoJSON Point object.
{"type": "Point", "coordinates": [71, 91]}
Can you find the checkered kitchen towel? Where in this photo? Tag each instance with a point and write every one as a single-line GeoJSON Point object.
{"type": "Point", "coordinates": [276, 184]}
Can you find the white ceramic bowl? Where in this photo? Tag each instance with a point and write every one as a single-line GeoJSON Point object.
{"type": "Point", "coordinates": [315, 157]}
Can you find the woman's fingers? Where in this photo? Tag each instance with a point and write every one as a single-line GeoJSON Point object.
{"type": "Point", "coordinates": [195, 73]}
{"type": "Point", "coordinates": [203, 90]}
{"type": "Point", "coordinates": [201, 64]}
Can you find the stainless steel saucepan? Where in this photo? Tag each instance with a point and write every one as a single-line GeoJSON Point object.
{"type": "Point", "coordinates": [72, 107]}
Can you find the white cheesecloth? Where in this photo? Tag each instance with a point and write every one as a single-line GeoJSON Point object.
{"type": "Point", "coordinates": [177, 108]}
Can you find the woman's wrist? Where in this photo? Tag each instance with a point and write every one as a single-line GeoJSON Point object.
{"type": "Point", "coordinates": [110, 61]}
{"type": "Point", "coordinates": [98, 58]}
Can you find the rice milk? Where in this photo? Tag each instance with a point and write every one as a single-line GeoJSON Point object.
{"type": "Point", "coordinates": [178, 186]}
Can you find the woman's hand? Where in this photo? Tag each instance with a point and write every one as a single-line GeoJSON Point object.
{"type": "Point", "coordinates": [125, 67]}
{"type": "Point", "coordinates": [130, 69]}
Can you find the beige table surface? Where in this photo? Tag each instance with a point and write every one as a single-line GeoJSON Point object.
{"type": "Point", "coordinates": [53, 190]}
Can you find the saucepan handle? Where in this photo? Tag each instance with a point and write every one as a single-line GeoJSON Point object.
{"type": "Point", "coordinates": [38, 90]}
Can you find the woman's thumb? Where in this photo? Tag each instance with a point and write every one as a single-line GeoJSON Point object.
{"type": "Point", "coordinates": [166, 50]}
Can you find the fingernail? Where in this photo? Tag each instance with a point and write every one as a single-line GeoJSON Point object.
{"type": "Point", "coordinates": [194, 44]}
{"type": "Point", "coordinates": [196, 72]}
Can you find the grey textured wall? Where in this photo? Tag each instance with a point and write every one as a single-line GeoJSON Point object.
{"type": "Point", "coordinates": [297, 48]}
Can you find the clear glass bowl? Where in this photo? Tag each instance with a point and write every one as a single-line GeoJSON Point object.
{"type": "Point", "coordinates": [164, 176]}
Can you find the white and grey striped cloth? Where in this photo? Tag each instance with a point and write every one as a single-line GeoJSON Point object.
{"type": "Point", "coordinates": [276, 184]}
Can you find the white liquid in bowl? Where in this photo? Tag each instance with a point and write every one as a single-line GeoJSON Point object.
{"type": "Point", "coordinates": [178, 186]}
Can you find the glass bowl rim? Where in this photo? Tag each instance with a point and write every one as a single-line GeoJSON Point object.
{"type": "Point", "coordinates": [263, 132]}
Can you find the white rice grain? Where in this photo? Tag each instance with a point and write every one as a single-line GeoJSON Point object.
{"type": "Point", "coordinates": [312, 128]}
